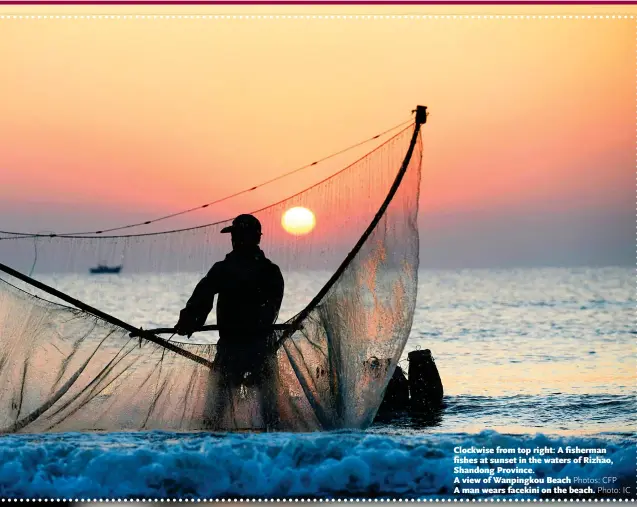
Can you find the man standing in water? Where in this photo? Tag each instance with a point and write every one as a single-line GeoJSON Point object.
{"type": "Point", "coordinates": [250, 292]}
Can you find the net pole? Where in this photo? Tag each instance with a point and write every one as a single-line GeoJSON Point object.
{"type": "Point", "coordinates": [104, 316]}
{"type": "Point", "coordinates": [421, 118]}
{"type": "Point", "coordinates": [209, 327]}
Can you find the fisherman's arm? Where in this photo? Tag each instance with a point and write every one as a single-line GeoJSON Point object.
{"type": "Point", "coordinates": [194, 315]}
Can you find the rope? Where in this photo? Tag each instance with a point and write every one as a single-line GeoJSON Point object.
{"type": "Point", "coordinates": [211, 203]}
{"type": "Point", "coordinates": [18, 235]}
{"type": "Point", "coordinates": [35, 251]}
{"type": "Point", "coordinates": [294, 322]}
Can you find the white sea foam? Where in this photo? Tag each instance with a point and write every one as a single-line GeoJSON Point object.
{"type": "Point", "coordinates": [162, 465]}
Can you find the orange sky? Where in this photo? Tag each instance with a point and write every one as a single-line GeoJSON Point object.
{"type": "Point", "coordinates": [130, 115]}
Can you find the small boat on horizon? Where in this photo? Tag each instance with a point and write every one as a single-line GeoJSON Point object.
{"type": "Point", "coordinates": [102, 269]}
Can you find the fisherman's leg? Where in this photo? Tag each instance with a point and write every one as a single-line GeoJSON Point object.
{"type": "Point", "coordinates": [220, 393]}
{"type": "Point", "coordinates": [268, 398]}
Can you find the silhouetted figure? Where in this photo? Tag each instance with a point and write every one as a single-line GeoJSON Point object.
{"type": "Point", "coordinates": [250, 292]}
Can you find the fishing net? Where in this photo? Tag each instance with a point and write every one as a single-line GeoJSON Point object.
{"type": "Point", "coordinates": [65, 366]}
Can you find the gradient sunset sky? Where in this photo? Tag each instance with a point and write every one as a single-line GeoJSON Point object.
{"type": "Point", "coordinates": [529, 152]}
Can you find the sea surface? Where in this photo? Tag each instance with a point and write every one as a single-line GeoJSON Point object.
{"type": "Point", "coordinates": [528, 358]}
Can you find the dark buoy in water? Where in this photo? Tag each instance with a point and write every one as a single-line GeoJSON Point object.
{"type": "Point", "coordinates": [420, 393]}
{"type": "Point", "coordinates": [425, 385]}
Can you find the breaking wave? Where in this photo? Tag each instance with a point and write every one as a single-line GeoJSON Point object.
{"type": "Point", "coordinates": [319, 465]}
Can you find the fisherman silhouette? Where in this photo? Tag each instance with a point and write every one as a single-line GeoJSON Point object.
{"type": "Point", "coordinates": [250, 290]}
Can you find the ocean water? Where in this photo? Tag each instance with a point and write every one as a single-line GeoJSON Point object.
{"type": "Point", "coordinates": [528, 358]}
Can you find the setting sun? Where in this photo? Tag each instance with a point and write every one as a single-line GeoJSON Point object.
{"type": "Point", "coordinates": [298, 220]}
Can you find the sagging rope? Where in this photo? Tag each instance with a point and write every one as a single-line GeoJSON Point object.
{"type": "Point", "coordinates": [17, 235]}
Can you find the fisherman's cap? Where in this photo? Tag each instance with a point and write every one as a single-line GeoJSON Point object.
{"type": "Point", "coordinates": [244, 223]}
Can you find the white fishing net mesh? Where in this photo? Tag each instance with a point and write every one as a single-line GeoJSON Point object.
{"type": "Point", "coordinates": [64, 369]}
